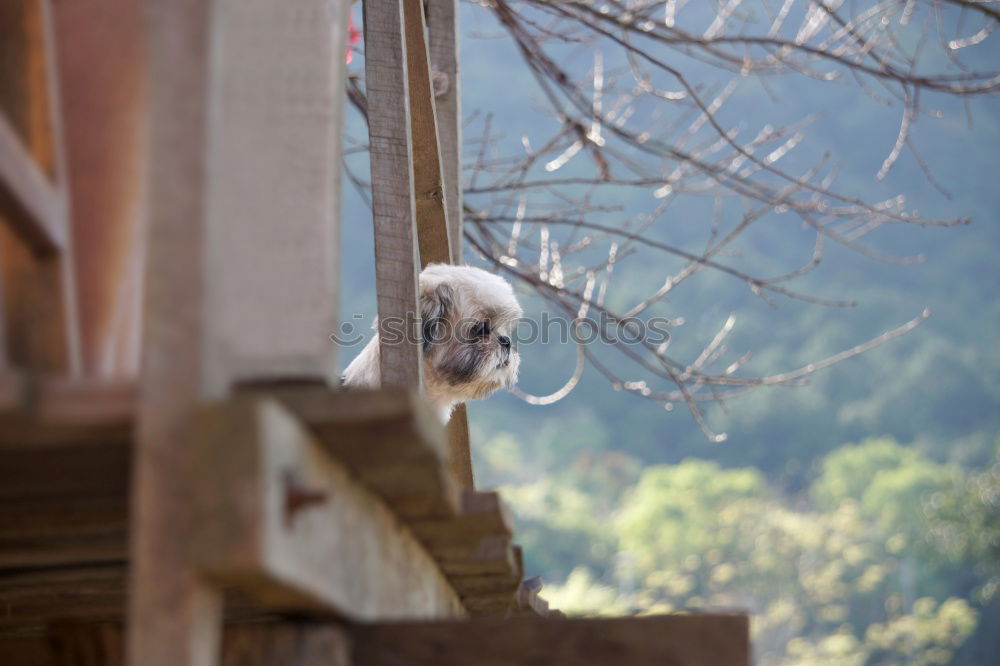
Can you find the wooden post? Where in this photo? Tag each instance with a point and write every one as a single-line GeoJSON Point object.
{"type": "Point", "coordinates": [243, 177]}
{"type": "Point", "coordinates": [442, 23]}
{"type": "Point", "coordinates": [173, 616]}
{"type": "Point", "coordinates": [430, 190]}
{"type": "Point", "coordinates": [392, 191]}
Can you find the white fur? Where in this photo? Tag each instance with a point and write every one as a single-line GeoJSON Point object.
{"type": "Point", "coordinates": [472, 295]}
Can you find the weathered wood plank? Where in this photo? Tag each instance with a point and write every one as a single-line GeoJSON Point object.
{"type": "Point", "coordinates": [483, 515]}
{"type": "Point", "coordinates": [442, 29]}
{"type": "Point", "coordinates": [279, 517]}
{"type": "Point", "coordinates": [51, 412]}
{"type": "Point", "coordinates": [33, 597]}
{"type": "Point", "coordinates": [271, 234]}
{"type": "Point", "coordinates": [65, 532]}
{"type": "Point", "coordinates": [286, 644]}
{"type": "Point", "coordinates": [393, 205]}
{"type": "Point", "coordinates": [493, 555]}
{"type": "Point", "coordinates": [86, 644]}
{"type": "Point", "coordinates": [459, 451]}
{"type": "Point", "coordinates": [258, 644]}
{"type": "Point", "coordinates": [428, 183]}
{"type": "Point", "coordinates": [173, 614]}
{"type": "Point", "coordinates": [389, 439]}
{"type": "Point", "coordinates": [243, 175]}
{"type": "Point", "coordinates": [442, 23]}
{"type": "Point", "coordinates": [671, 640]}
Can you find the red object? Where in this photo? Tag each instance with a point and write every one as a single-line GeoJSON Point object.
{"type": "Point", "coordinates": [353, 37]}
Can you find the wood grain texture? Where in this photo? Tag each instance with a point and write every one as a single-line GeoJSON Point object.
{"type": "Point", "coordinates": [389, 439]}
{"type": "Point", "coordinates": [442, 32]}
{"type": "Point", "coordinates": [428, 183]}
{"type": "Point", "coordinates": [670, 640]}
{"type": "Point", "coordinates": [257, 644]}
{"type": "Point", "coordinates": [271, 233]}
{"type": "Point", "coordinates": [338, 549]}
{"type": "Point", "coordinates": [286, 644]}
{"type": "Point", "coordinates": [459, 451]}
{"type": "Point", "coordinates": [173, 614]}
{"type": "Point", "coordinates": [242, 179]}
{"type": "Point", "coordinates": [442, 24]}
{"type": "Point", "coordinates": [460, 536]}
{"type": "Point", "coordinates": [393, 205]}
{"type": "Point", "coordinates": [34, 597]}
{"type": "Point", "coordinates": [493, 555]}
{"type": "Point", "coordinates": [86, 644]}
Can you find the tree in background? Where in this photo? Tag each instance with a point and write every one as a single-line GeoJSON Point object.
{"type": "Point", "coordinates": [846, 578]}
{"type": "Point", "coordinates": [644, 121]}
{"type": "Point", "coordinates": [650, 112]}
{"type": "Point", "coordinates": [964, 523]}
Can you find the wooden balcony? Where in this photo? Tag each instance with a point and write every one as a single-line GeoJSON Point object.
{"type": "Point", "coordinates": [227, 504]}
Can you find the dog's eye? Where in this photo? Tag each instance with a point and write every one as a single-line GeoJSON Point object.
{"type": "Point", "coordinates": [481, 330]}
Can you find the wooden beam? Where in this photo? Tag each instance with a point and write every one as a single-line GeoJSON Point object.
{"type": "Point", "coordinates": [173, 615]}
{"type": "Point", "coordinates": [39, 294]}
{"type": "Point", "coordinates": [442, 23]}
{"type": "Point", "coordinates": [258, 644]}
{"type": "Point", "coordinates": [428, 182]}
{"type": "Point", "coordinates": [51, 412]}
{"type": "Point", "coordinates": [32, 203]}
{"type": "Point", "coordinates": [389, 439]}
{"type": "Point", "coordinates": [672, 640]}
{"type": "Point", "coordinates": [279, 517]}
{"type": "Point", "coordinates": [286, 644]}
{"type": "Point", "coordinates": [393, 205]}
{"type": "Point", "coordinates": [271, 232]}
{"type": "Point", "coordinates": [494, 555]}
{"type": "Point", "coordinates": [32, 597]}
{"type": "Point", "coordinates": [245, 103]}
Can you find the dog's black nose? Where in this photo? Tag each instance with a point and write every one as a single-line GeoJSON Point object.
{"type": "Point", "coordinates": [504, 341]}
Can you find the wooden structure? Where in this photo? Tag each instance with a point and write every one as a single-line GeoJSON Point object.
{"type": "Point", "coordinates": [227, 504]}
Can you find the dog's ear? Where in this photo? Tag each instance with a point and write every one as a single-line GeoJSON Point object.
{"type": "Point", "coordinates": [436, 303]}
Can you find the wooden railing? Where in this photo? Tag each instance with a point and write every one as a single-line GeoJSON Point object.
{"type": "Point", "coordinates": [244, 157]}
{"type": "Point", "coordinates": [414, 136]}
{"type": "Point", "coordinates": [253, 490]}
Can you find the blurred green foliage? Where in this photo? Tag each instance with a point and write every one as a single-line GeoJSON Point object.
{"type": "Point", "coordinates": [885, 558]}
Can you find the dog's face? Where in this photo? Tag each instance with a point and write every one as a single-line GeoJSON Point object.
{"type": "Point", "coordinates": [468, 316]}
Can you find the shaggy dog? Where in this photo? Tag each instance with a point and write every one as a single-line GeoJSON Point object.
{"type": "Point", "coordinates": [467, 316]}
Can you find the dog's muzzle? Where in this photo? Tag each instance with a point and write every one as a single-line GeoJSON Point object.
{"type": "Point", "coordinates": [504, 350]}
